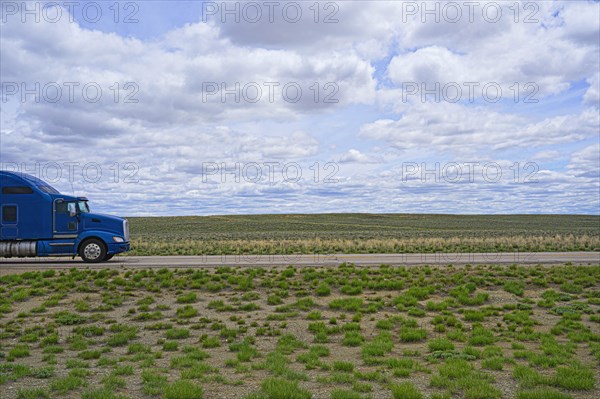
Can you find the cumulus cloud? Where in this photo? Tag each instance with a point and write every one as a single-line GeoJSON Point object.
{"type": "Point", "coordinates": [586, 163]}
{"type": "Point", "coordinates": [225, 94]}
{"type": "Point", "coordinates": [467, 130]}
{"type": "Point", "coordinates": [592, 95]}
{"type": "Point", "coordinates": [188, 76]}
{"type": "Point", "coordinates": [356, 156]}
{"type": "Point", "coordinates": [551, 46]}
{"type": "Point", "coordinates": [327, 28]}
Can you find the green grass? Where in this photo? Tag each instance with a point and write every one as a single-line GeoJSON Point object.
{"type": "Point", "coordinates": [542, 393]}
{"type": "Point", "coordinates": [440, 344]}
{"type": "Point", "coordinates": [312, 358]}
{"type": "Point", "coordinates": [323, 289]}
{"type": "Point", "coordinates": [379, 346]}
{"type": "Point", "coordinates": [406, 390]}
{"type": "Point", "coordinates": [18, 351]}
{"type": "Point", "coordinates": [153, 383]}
{"type": "Point", "coordinates": [89, 355]}
{"type": "Point", "coordinates": [459, 374]}
{"type": "Point", "coordinates": [288, 343]}
{"type": "Point", "coordinates": [362, 233]}
{"type": "Point", "coordinates": [412, 334]}
{"type": "Point", "coordinates": [138, 348]}
{"type": "Point", "coordinates": [576, 377]}
{"type": "Point", "coordinates": [187, 312]}
{"type": "Point", "coordinates": [66, 384]}
{"type": "Point", "coordinates": [101, 393]}
{"type": "Point", "coordinates": [112, 382]}
{"type": "Point", "coordinates": [183, 389]}
{"type": "Point", "coordinates": [481, 336]}
{"type": "Point", "coordinates": [33, 393]}
{"type": "Point", "coordinates": [353, 338]}
{"type": "Point", "coordinates": [189, 297]}
{"type": "Point", "coordinates": [170, 346]}
{"type": "Point", "coordinates": [281, 389]}
{"type": "Point", "coordinates": [493, 363]}
{"type": "Point", "coordinates": [177, 333]}
{"type": "Point", "coordinates": [126, 369]}
{"type": "Point", "coordinates": [461, 341]}
{"type": "Point", "coordinates": [68, 318]}
{"type": "Point", "coordinates": [245, 351]}
{"type": "Point", "coordinates": [347, 304]}
{"type": "Point", "coordinates": [211, 342]}
{"type": "Point", "coordinates": [514, 287]}
{"type": "Point", "coordinates": [346, 367]}
{"type": "Point", "coordinates": [345, 394]}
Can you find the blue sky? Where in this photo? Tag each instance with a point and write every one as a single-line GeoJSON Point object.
{"type": "Point", "coordinates": [154, 18]}
{"type": "Point", "coordinates": [176, 108]}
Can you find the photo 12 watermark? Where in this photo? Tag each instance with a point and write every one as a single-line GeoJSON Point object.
{"type": "Point", "coordinates": [449, 258]}
{"type": "Point", "coordinates": [270, 92]}
{"type": "Point", "coordinates": [454, 12]}
{"type": "Point", "coordinates": [54, 92]}
{"type": "Point", "coordinates": [469, 172]}
{"type": "Point", "coordinates": [270, 172]}
{"type": "Point", "coordinates": [471, 92]}
{"type": "Point", "coordinates": [255, 12]}
{"type": "Point", "coordinates": [72, 171]}
{"type": "Point", "coordinates": [284, 255]}
{"type": "Point", "coordinates": [91, 12]}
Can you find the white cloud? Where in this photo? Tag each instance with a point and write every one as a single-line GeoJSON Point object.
{"type": "Point", "coordinates": [586, 163]}
{"type": "Point", "coordinates": [562, 47]}
{"type": "Point", "coordinates": [326, 28]}
{"type": "Point", "coordinates": [466, 130]}
{"type": "Point", "coordinates": [592, 95]}
{"type": "Point", "coordinates": [173, 73]}
{"type": "Point", "coordinates": [356, 156]}
{"type": "Point", "coordinates": [173, 130]}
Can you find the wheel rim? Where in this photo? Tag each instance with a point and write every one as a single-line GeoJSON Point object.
{"type": "Point", "coordinates": [92, 251]}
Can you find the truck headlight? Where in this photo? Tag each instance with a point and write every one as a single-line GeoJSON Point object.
{"type": "Point", "coordinates": [126, 229]}
{"type": "Point", "coordinates": [118, 239]}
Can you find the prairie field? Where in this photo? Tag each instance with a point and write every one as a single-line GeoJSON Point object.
{"type": "Point", "coordinates": [363, 233]}
{"type": "Point", "coordinates": [345, 332]}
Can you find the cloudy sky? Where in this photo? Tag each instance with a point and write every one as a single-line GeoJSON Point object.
{"type": "Point", "coordinates": [197, 108]}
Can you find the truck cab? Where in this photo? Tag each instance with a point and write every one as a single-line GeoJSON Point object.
{"type": "Point", "coordinates": [37, 220]}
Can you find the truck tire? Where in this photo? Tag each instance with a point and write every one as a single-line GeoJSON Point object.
{"type": "Point", "coordinates": [92, 251]}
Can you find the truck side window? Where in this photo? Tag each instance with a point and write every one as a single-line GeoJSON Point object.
{"type": "Point", "coordinates": [17, 190]}
{"type": "Point", "coordinates": [71, 206]}
{"type": "Point", "coordinates": [61, 207]}
{"type": "Point", "coordinates": [9, 214]}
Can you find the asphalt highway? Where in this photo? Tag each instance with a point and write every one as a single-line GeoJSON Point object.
{"type": "Point", "coordinates": [19, 265]}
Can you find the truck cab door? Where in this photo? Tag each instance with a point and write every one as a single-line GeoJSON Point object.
{"type": "Point", "coordinates": [8, 222]}
{"type": "Point", "coordinates": [64, 223]}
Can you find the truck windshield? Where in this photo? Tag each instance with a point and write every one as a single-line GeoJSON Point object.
{"type": "Point", "coordinates": [83, 207]}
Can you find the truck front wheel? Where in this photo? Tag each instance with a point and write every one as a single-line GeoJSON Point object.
{"type": "Point", "coordinates": [92, 251]}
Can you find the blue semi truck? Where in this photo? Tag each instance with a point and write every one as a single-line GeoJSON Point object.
{"type": "Point", "coordinates": [37, 220]}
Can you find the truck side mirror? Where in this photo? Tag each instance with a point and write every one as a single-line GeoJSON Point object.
{"type": "Point", "coordinates": [72, 209]}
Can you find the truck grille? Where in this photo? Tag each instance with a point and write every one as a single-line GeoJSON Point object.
{"type": "Point", "coordinates": [126, 229]}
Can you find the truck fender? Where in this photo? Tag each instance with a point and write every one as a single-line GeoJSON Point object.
{"type": "Point", "coordinates": [104, 236]}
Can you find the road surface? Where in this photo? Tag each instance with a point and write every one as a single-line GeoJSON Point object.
{"type": "Point", "coordinates": [17, 265]}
